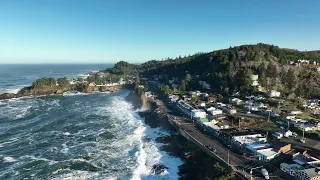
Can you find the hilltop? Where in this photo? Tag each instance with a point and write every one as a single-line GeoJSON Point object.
{"type": "Point", "coordinates": [290, 71]}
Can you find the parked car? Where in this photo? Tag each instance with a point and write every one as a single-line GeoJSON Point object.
{"type": "Point", "coordinates": [294, 134]}
{"type": "Point", "coordinates": [211, 148]}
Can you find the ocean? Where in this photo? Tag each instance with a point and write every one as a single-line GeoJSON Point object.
{"type": "Point", "coordinates": [75, 136]}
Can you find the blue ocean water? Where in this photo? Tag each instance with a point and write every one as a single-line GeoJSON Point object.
{"type": "Point", "coordinates": [15, 76]}
{"type": "Point", "coordinates": [74, 136]}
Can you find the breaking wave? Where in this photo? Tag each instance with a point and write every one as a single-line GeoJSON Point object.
{"type": "Point", "coordinates": [99, 136]}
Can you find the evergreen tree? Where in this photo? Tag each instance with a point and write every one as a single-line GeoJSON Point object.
{"type": "Point", "coordinates": [291, 79]}
{"type": "Point", "coordinates": [272, 71]}
{"type": "Point", "coordinates": [245, 80]}
{"type": "Point", "coordinates": [188, 78]}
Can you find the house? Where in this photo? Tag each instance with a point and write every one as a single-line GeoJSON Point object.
{"type": "Point", "coordinates": [195, 93]}
{"type": "Point", "coordinates": [293, 112]}
{"type": "Point", "coordinates": [281, 147]}
{"type": "Point", "coordinates": [198, 113]}
{"type": "Point", "coordinates": [273, 93]}
{"type": "Point", "coordinates": [262, 151]}
{"type": "Point", "coordinates": [229, 110]}
{"type": "Point", "coordinates": [307, 127]}
{"type": "Point", "coordinates": [236, 101]}
{"type": "Point", "coordinates": [309, 174]}
{"type": "Point", "coordinates": [219, 105]}
{"type": "Point", "coordinates": [202, 104]}
{"type": "Point", "coordinates": [210, 109]}
{"type": "Point", "coordinates": [266, 154]}
{"type": "Point", "coordinates": [318, 126]}
{"type": "Point", "coordinates": [92, 84]}
{"type": "Point", "coordinates": [247, 138]}
{"type": "Point", "coordinates": [254, 79]}
{"type": "Point", "coordinates": [291, 169]}
{"type": "Point", "coordinates": [306, 158]}
{"type": "Point", "coordinates": [173, 98]}
{"type": "Point", "coordinates": [286, 133]}
{"type": "Point", "coordinates": [304, 61]}
{"type": "Point", "coordinates": [215, 112]}
{"type": "Point", "coordinates": [211, 99]}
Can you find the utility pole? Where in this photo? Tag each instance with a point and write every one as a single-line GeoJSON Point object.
{"type": "Point", "coordinates": [269, 115]}
{"type": "Point", "coordinates": [228, 156]}
{"type": "Point", "coordinates": [239, 122]}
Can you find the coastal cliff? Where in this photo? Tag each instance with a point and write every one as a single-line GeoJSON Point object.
{"type": "Point", "coordinates": [31, 91]}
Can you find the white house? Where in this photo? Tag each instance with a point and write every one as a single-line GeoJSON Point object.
{"type": "Point", "coordinates": [198, 113]}
{"type": "Point", "coordinates": [248, 138]}
{"type": "Point", "coordinates": [308, 127]}
{"type": "Point", "coordinates": [287, 133]}
{"type": "Point", "coordinates": [254, 79]}
{"type": "Point", "coordinates": [273, 93]}
{"type": "Point", "coordinates": [210, 109]}
{"type": "Point", "coordinates": [263, 151]}
{"type": "Point", "coordinates": [294, 112]}
{"type": "Point", "coordinates": [202, 104]}
{"type": "Point", "coordinates": [235, 101]}
{"type": "Point", "coordinates": [266, 154]}
{"type": "Point", "coordinates": [216, 112]}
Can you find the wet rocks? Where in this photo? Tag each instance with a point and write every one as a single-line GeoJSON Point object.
{"type": "Point", "coordinates": [158, 169]}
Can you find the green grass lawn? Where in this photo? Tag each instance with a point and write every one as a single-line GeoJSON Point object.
{"type": "Point", "coordinates": [306, 117]}
{"type": "Point", "coordinates": [268, 126]}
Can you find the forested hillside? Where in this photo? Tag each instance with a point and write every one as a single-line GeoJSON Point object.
{"type": "Point", "coordinates": [230, 69]}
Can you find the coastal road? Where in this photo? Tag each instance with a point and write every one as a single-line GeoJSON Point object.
{"type": "Point", "coordinates": [191, 130]}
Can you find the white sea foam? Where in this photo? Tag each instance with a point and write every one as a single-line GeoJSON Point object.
{"type": "Point", "coordinates": [9, 159]}
{"type": "Point", "coordinates": [17, 108]}
{"type": "Point", "coordinates": [13, 89]}
{"type": "Point", "coordinates": [75, 94]}
{"type": "Point", "coordinates": [77, 175]}
{"type": "Point", "coordinates": [148, 153]}
{"type": "Point", "coordinates": [37, 159]}
{"type": "Point", "coordinates": [64, 149]}
{"type": "Point", "coordinates": [67, 134]}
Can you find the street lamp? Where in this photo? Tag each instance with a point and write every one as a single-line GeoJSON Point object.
{"type": "Point", "coordinates": [252, 169]}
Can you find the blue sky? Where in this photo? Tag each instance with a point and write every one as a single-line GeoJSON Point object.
{"type": "Point", "coordinates": [102, 31]}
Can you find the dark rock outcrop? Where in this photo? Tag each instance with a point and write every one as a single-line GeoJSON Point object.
{"type": "Point", "coordinates": [158, 169]}
{"type": "Point", "coordinates": [30, 91]}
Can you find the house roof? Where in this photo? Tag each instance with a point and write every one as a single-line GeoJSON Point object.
{"type": "Point", "coordinates": [292, 166]}
{"type": "Point", "coordinates": [203, 120]}
{"type": "Point", "coordinates": [312, 172]}
{"type": "Point", "coordinates": [243, 133]}
{"type": "Point", "coordinates": [267, 152]}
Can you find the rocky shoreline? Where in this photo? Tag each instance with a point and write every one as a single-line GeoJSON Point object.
{"type": "Point", "coordinates": [197, 165]}
{"type": "Point", "coordinates": [29, 91]}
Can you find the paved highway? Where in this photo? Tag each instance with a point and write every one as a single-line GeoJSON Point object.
{"type": "Point", "coordinates": [203, 139]}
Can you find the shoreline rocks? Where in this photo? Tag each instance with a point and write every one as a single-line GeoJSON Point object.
{"type": "Point", "coordinates": [196, 164]}
{"type": "Point", "coordinates": [29, 91]}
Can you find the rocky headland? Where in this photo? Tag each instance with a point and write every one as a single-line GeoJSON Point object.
{"type": "Point", "coordinates": [31, 91]}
